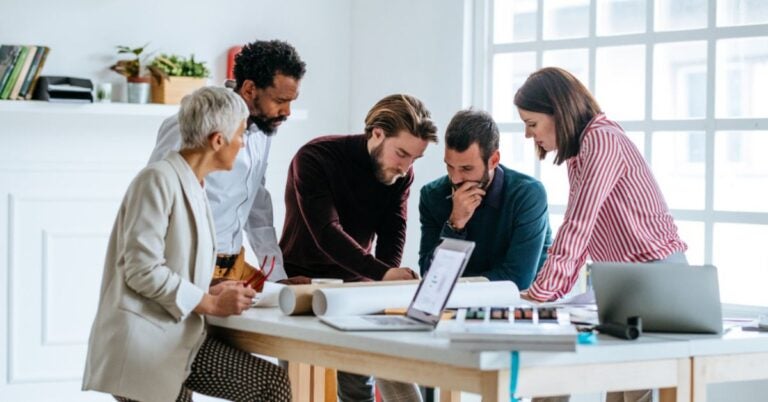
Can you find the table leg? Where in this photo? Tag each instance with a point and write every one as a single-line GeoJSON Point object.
{"type": "Point", "coordinates": [699, 383]}
{"type": "Point", "coordinates": [495, 386]}
{"type": "Point", "coordinates": [682, 393]}
{"type": "Point", "coordinates": [330, 385]}
{"type": "Point", "coordinates": [300, 375]}
{"type": "Point", "coordinates": [317, 388]}
{"type": "Point", "coordinates": [446, 395]}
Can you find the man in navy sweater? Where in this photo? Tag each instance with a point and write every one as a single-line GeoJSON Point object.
{"type": "Point", "coordinates": [345, 191]}
{"type": "Point", "coordinates": [504, 212]}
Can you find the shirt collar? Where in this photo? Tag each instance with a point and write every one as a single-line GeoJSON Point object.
{"type": "Point", "coordinates": [493, 195]}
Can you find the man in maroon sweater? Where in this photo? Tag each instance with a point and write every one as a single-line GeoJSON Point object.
{"type": "Point", "coordinates": [345, 191]}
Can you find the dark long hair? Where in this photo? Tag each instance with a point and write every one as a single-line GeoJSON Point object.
{"type": "Point", "coordinates": [558, 93]}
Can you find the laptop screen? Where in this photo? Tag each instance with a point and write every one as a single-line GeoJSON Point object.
{"type": "Point", "coordinates": [439, 281]}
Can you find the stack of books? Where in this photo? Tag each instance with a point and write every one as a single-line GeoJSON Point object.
{"type": "Point", "coordinates": [20, 66]}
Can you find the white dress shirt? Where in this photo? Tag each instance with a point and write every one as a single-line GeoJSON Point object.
{"type": "Point", "coordinates": [238, 199]}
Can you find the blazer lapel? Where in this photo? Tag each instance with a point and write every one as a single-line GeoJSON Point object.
{"type": "Point", "coordinates": [200, 268]}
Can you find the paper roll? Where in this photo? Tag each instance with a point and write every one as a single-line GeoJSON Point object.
{"type": "Point", "coordinates": [357, 301]}
{"type": "Point", "coordinates": [297, 299]}
{"type": "Point", "coordinates": [269, 296]}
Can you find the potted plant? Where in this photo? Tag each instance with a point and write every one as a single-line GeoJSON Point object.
{"type": "Point", "coordinates": [132, 69]}
{"type": "Point", "coordinates": [175, 76]}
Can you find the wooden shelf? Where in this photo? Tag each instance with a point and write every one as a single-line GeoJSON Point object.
{"type": "Point", "coordinates": [127, 109]}
{"type": "Point", "coordinates": [115, 108]}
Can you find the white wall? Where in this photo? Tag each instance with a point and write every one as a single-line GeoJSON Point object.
{"type": "Point", "coordinates": [82, 35]}
{"type": "Point", "coordinates": [413, 47]}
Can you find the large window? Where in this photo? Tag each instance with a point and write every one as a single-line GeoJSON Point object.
{"type": "Point", "coordinates": [688, 81]}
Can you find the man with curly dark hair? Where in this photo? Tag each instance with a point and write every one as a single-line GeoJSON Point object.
{"type": "Point", "coordinates": [268, 74]}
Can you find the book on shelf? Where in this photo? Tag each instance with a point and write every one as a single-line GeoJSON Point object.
{"type": "Point", "coordinates": [31, 50]}
{"type": "Point", "coordinates": [8, 55]}
{"type": "Point", "coordinates": [514, 336]}
{"type": "Point", "coordinates": [29, 85]}
{"type": "Point", "coordinates": [20, 67]}
{"type": "Point", "coordinates": [17, 66]}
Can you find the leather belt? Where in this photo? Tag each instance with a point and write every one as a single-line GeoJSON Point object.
{"type": "Point", "coordinates": [226, 261]}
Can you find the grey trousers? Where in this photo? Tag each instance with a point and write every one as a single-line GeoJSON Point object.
{"type": "Point", "coordinates": [359, 388]}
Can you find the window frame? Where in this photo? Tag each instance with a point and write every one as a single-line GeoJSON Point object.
{"type": "Point", "coordinates": [483, 51]}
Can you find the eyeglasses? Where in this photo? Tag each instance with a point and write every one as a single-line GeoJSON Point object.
{"type": "Point", "coordinates": [259, 277]}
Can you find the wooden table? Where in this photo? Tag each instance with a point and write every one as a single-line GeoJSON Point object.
{"type": "Point", "coordinates": [427, 359]}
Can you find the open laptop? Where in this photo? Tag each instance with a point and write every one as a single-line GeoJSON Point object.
{"type": "Point", "coordinates": [666, 297]}
{"type": "Point", "coordinates": [448, 263]}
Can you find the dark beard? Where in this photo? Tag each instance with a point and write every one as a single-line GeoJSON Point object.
{"type": "Point", "coordinates": [378, 170]}
{"type": "Point", "coordinates": [265, 125]}
{"type": "Point", "coordinates": [483, 183]}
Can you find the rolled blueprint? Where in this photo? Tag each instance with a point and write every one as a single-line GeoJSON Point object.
{"type": "Point", "coordinates": [360, 301]}
{"type": "Point", "coordinates": [269, 296]}
{"type": "Point", "coordinates": [297, 299]}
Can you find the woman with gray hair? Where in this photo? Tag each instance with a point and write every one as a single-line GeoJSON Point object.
{"type": "Point", "coordinates": [148, 341]}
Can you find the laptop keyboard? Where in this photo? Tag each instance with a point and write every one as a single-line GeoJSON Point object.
{"type": "Point", "coordinates": [391, 320]}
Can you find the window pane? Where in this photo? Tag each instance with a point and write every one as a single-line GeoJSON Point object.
{"type": "Point", "coordinates": [742, 76]}
{"type": "Point", "coordinates": [680, 80]}
{"type": "Point", "coordinates": [576, 61]}
{"type": "Point", "coordinates": [692, 234]}
{"type": "Point", "coordinates": [555, 221]}
{"type": "Point", "coordinates": [741, 12]}
{"type": "Point", "coordinates": [672, 15]}
{"type": "Point", "coordinates": [638, 138]}
{"type": "Point", "coordinates": [678, 165]}
{"type": "Point", "coordinates": [620, 81]}
{"type": "Point", "coordinates": [741, 171]}
{"type": "Point", "coordinates": [514, 20]}
{"type": "Point", "coordinates": [616, 17]}
{"type": "Point", "coordinates": [555, 179]}
{"type": "Point", "coordinates": [566, 19]}
{"type": "Point", "coordinates": [510, 70]}
{"type": "Point", "coordinates": [517, 152]}
{"type": "Point", "coordinates": [743, 274]}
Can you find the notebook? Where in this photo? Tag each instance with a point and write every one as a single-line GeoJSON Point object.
{"type": "Point", "coordinates": [666, 297]}
{"type": "Point", "coordinates": [426, 307]}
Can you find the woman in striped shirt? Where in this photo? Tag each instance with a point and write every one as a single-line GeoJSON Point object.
{"type": "Point", "coordinates": [615, 209]}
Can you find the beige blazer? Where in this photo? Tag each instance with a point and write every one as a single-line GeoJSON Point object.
{"type": "Point", "coordinates": [159, 262]}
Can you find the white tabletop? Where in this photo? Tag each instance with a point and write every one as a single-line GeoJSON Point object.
{"type": "Point", "coordinates": [430, 346]}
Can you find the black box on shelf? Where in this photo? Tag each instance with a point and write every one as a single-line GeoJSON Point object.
{"type": "Point", "coordinates": [64, 89]}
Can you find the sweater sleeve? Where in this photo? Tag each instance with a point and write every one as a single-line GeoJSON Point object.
{"type": "Point", "coordinates": [600, 167]}
{"type": "Point", "coordinates": [318, 211]}
{"type": "Point", "coordinates": [390, 235]}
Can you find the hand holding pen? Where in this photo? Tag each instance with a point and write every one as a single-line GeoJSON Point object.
{"type": "Point", "coordinates": [466, 198]}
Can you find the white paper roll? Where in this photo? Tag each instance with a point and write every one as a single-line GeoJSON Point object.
{"type": "Point", "coordinates": [269, 296]}
{"type": "Point", "coordinates": [374, 299]}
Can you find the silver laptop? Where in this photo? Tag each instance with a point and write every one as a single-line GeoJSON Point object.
{"type": "Point", "coordinates": [666, 297]}
{"type": "Point", "coordinates": [448, 263]}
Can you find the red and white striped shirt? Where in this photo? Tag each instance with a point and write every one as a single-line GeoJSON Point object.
{"type": "Point", "coordinates": [615, 211]}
